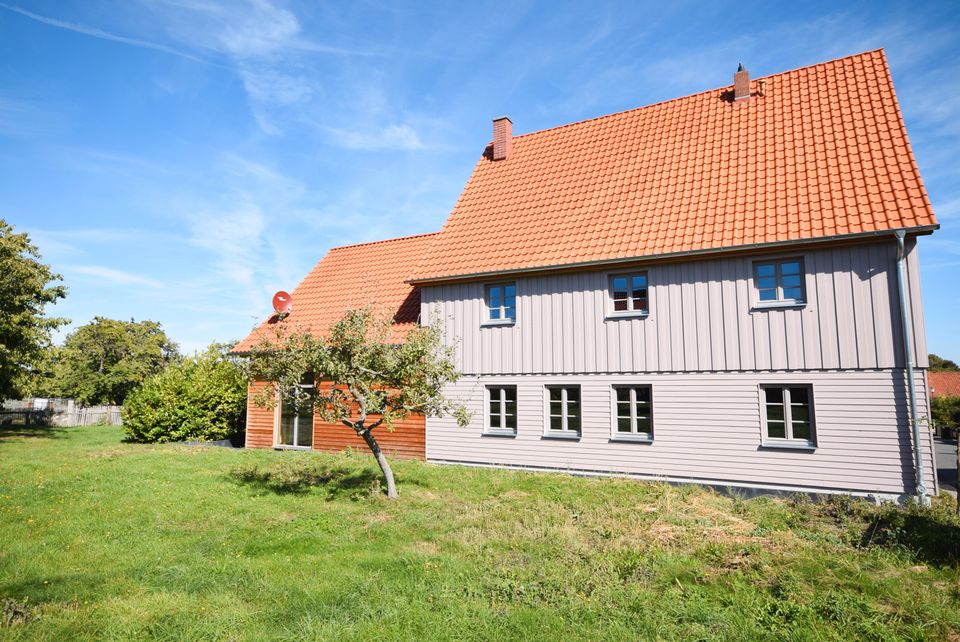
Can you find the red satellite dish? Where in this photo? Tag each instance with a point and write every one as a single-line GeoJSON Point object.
{"type": "Point", "coordinates": [282, 302]}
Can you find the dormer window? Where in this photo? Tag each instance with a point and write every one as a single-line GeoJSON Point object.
{"type": "Point", "coordinates": [501, 303]}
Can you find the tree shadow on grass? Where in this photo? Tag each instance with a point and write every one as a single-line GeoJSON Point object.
{"type": "Point", "coordinates": [8, 432]}
{"type": "Point", "coordinates": [298, 478]}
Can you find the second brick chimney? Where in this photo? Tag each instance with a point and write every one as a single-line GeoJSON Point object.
{"type": "Point", "coordinates": [741, 83]}
{"type": "Point", "coordinates": [502, 138]}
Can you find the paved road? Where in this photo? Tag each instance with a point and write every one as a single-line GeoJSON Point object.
{"type": "Point", "coordinates": [946, 450]}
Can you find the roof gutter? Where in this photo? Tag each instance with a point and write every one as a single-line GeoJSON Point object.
{"type": "Point", "coordinates": [923, 229]}
{"type": "Point", "coordinates": [908, 359]}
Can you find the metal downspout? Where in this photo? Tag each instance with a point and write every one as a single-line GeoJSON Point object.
{"type": "Point", "coordinates": [908, 357]}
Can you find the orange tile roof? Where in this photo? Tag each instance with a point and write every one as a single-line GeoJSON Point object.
{"type": "Point", "coordinates": [944, 384]}
{"type": "Point", "coordinates": [350, 277]}
{"type": "Point", "coordinates": [823, 152]}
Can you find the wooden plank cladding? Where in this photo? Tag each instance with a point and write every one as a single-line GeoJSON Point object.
{"type": "Point", "coordinates": [703, 318]}
{"type": "Point", "coordinates": [260, 420]}
{"type": "Point", "coordinates": [406, 441]}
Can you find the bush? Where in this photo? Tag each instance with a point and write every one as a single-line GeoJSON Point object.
{"type": "Point", "coordinates": [945, 411]}
{"type": "Point", "coordinates": [201, 399]}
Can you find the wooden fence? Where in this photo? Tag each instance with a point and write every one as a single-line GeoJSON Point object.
{"type": "Point", "coordinates": [58, 412]}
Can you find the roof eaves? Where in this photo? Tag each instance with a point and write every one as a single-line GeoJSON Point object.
{"type": "Point", "coordinates": [915, 231]}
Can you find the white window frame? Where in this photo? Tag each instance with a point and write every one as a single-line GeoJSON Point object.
{"type": "Point", "coordinates": [500, 389]}
{"type": "Point", "coordinates": [503, 320]}
{"type": "Point", "coordinates": [565, 432]}
{"type": "Point", "coordinates": [630, 313]}
{"type": "Point", "coordinates": [633, 435]}
{"type": "Point", "coordinates": [780, 301]}
{"type": "Point", "coordinates": [278, 425]}
{"type": "Point", "coordinates": [788, 441]}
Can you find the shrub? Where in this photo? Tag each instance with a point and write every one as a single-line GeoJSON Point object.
{"type": "Point", "coordinates": [945, 411]}
{"type": "Point", "coordinates": [202, 399]}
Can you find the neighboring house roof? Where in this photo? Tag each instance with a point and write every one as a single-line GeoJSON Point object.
{"type": "Point", "coordinates": [350, 277]}
{"type": "Point", "coordinates": [821, 153]}
{"type": "Point", "coordinates": [944, 383]}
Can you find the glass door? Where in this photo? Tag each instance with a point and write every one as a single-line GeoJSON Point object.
{"type": "Point", "coordinates": [296, 419]}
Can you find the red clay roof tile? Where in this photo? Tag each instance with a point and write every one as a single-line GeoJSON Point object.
{"type": "Point", "coordinates": [944, 384]}
{"type": "Point", "coordinates": [350, 277]}
{"type": "Point", "coordinates": [822, 153]}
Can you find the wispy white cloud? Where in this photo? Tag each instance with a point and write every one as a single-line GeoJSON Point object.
{"type": "Point", "coordinates": [112, 276]}
{"type": "Point", "coordinates": [100, 33]}
{"type": "Point", "coordinates": [392, 137]}
{"type": "Point", "coordinates": [235, 239]}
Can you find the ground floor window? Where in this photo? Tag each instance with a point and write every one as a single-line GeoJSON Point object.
{"type": "Point", "coordinates": [634, 411]}
{"type": "Point", "coordinates": [564, 408]}
{"type": "Point", "coordinates": [296, 417]}
{"type": "Point", "coordinates": [502, 409]}
{"type": "Point", "coordinates": [788, 414]}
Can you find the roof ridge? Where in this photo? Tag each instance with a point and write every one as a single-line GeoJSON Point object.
{"type": "Point", "coordinates": [399, 238]}
{"type": "Point", "coordinates": [697, 93]}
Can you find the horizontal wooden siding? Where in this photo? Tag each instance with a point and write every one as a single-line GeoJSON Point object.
{"type": "Point", "coordinates": [707, 426]}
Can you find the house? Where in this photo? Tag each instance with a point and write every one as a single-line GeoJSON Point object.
{"type": "Point", "coordinates": [347, 277]}
{"type": "Point", "coordinates": [722, 288]}
{"type": "Point", "coordinates": [944, 384]}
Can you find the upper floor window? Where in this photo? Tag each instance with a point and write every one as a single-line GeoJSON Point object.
{"type": "Point", "coordinates": [502, 302]}
{"type": "Point", "coordinates": [788, 411]}
{"type": "Point", "coordinates": [634, 411]}
{"type": "Point", "coordinates": [629, 293]}
{"type": "Point", "coordinates": [564, 407]}
{"type": "Point", "coordinates": [502, 409]}
{"type": "Point", "coordinates": [779, 281]}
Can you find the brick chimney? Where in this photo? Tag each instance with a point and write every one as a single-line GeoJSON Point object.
{"type": "Point", "coordinates": [502, 138]}
{"type": "Point", "coordinates": [741, 83]}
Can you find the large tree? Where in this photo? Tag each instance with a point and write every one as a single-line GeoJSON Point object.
{"type": "Point", "coordinates": [369, 383]}
{"type": "Point", "coordinates": [103, 361]}
{"type": "Point", "coordinates": [26, 287]}
{"type": "Point", "coordinates": [938, 363]}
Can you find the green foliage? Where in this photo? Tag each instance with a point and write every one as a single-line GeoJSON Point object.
{"type": "Point", "coordinates": [202, 399]}
{"type": "Point", "coordinates": [939, 363]}
{"type": "Point", "coordinates": [369, 374]}
{"type": "Point", "coordinates": [104, 361]}
{"type": "Point", "coordinates": [25, 290]}
{"type": "Point", "coordinates": [945, 411]}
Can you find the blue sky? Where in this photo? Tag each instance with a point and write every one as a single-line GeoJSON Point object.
{"type": "Point", "coordinates": [181, 160]}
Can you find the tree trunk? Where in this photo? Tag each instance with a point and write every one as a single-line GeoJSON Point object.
{"type": "Point", "coordinates": [384, 464]}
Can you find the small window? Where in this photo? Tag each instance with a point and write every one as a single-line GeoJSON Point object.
{"type": "Point", "coordinates": [296, 416]}
{"type": "Point", "coordinates": [564, 410]}
{"type": "Point", "coordinates": [629, 293]}
{"type": "Point", "coordinates": [788, 411]}
{"type": "Point", "coordinates": [502, 409]}
{"type": "Point", "coordinates": [502, 302]}
{"type": "Point", "coordinates": [634, 411]}
{"type": "Point", "coordinates": [779, 281]}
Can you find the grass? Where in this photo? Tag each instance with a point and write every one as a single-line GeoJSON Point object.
{"type": "Point", "coordinates": [106, 540]}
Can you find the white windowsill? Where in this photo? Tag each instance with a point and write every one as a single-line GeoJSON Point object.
{"type": "Point", "coordinates": [778, 305]}
{"type": "Point", "coordinates": [492, 323]}
{"type": "Point", "coordinates": [616, 316]}
{"type": "Point", "coordinates": [286, 447]}
{"type": "Point", "coordinates": [787, 444]}
{"type": "Point", "coordinates": [557, 434]}
{"type": "Point", "coordinates": [499, 433]}
{"type": "Point", "coordinates": [637, 439]}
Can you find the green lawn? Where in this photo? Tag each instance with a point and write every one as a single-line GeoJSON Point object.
{"type": "Point", "coordinates": [101, 539]}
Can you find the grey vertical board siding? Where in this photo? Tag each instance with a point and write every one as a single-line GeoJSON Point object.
{"type": "Point", "coordinates": [707, 426]}
{"type": "Point", "coordinates": [701, 319]}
